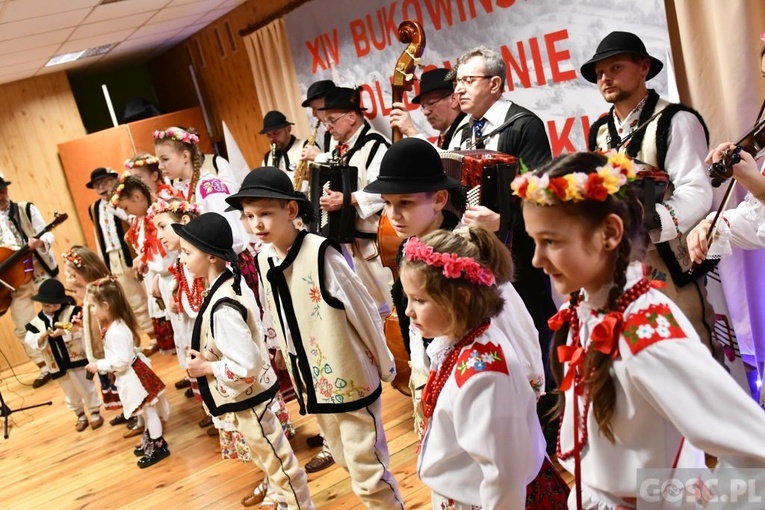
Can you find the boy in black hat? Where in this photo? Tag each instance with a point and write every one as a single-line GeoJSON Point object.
{"type": "Point", "coordinates": [52, 335]}
{"type": "Point", "coordinates": [20, 222]}
{"type": "Point", "coordinates": [229, 358]}
{"type": "Point", "coordinates": [416, 191]}
{"type": "Point", "coordinates": [328, 330]}
{"type": "Point", "coordinates": [672, 138]}
{"type": "Point", "coordinates": [286, 149]}
{"type": "Point", "coordinates": [440, 107]}
{"type": "Point", "coordinates": [109, 226]}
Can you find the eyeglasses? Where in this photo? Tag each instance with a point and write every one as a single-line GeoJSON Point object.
{"type": "Point", "coordinates": [469, 80]}
{"type": "Point", "coordinates": [432, 104]}
{"type": "Point", "coordinates": [331, 122]}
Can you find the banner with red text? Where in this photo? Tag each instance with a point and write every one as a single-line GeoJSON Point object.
{"type": "Point", "coordinates": [543, 44]}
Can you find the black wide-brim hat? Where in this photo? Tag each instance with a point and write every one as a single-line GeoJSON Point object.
{"type": "Point", "coordinates": [52, 292]}
{"type": "Point", "coordinates": [411, 165]}
{"type": "Point", "coordinates": [98, 174]}
{"type": "Point", "coordinates": [316, 90]}
{"type": "Point", "coordinates": [614, 44]}
{"type": "Point", "coordinates": [274, 120]}
{"type": "Point", "coordinates": [343, 98]}
{"type": "Point", "coordinates": [3, 183]}
{"type": "Point", "coordinates": [434, 79]}
{"type": "Point", "coordinates": [210, 233]}
{"type": "Point", "coordinates": [265, 182]}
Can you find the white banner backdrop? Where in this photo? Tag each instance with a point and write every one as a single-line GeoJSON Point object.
{"type": "Point", "coordinates": [543, 44]}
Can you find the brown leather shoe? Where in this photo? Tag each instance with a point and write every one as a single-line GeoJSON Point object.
{"type": "Point", "coordinates": [96, 423]}
{"type": "Point", "coordinates": [315, 441]}
{"type": "Point", "coordinates": [41, 380]}
{"type": "Point", "coordinates": [322, 461]}
{"type": "Point", "coordinates": [132, 432]}
{"type": "Point", "coordinates": [82, 424]}
{"type": "Point", "coordinates": [257, 496]}
{"type": "Point", "coordinates": [148, 351]}
{"type": "Point", "coordinates": [213, 432]}
{"type": "Point", "coordinates": [206, 421]}
{"type": "Point", "coordinates": [183, 383]}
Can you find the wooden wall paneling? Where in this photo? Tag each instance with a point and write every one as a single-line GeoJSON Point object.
{"type": "Point", "coordinates": [227, 85]}
{"type": "Point", "coordinates": [141, 130]}
{"type": "Point", "coordinates": [35, 115]}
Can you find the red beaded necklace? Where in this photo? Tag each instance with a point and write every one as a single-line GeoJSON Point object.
{"type": "Point", "coordinates": [572, 318]}
{"type": "Point", "coordinates": [195, 293]}
{"type": "Point", "coordinates": [438, 378]}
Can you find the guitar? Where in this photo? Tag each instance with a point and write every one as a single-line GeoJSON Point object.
{"type": "Point", "coordinates": [16, 266]}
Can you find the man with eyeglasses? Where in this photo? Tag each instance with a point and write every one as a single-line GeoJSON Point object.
{"type": "Point", "coordinates": [501, 125]}
{"type": "Point", "coordinates": [440, 107]}
{"type": "Point", "coordinates": [360, 146]}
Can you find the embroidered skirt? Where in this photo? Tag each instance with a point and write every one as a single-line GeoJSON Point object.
{"type": "Point", "coordinates": [164, 332]}
{"type": "Point", "coordinates": [150, 381]}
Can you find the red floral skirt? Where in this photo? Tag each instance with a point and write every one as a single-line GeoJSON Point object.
{"type": "Point", "coordinates": [548, 491]}
{"type": "Point", "coordinates": [150, 381]}
{"type": "Point", "coordinates": [164, 332]}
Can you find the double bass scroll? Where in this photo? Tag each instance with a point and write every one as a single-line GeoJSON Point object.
{"type": "Point", "coordinates": [410, 33]}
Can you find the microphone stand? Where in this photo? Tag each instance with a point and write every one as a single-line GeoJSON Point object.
{"type": "Point", "coordinates": [6, 411]}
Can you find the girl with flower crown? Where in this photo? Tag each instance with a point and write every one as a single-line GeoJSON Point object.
{"type": "Point", "coordinates": [483, 446]}
{"type": "Point", "coordinates": [193, 173]}
{"type": "Point", "coordinates": [152, 260]}
{"type": "Point", "coordinates": [635, 379]}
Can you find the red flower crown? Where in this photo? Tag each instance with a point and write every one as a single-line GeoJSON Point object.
{"type": "Point", "coordinates": [454, 266]}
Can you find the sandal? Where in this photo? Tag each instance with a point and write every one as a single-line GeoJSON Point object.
{"type": "Point", "coordinates": [257, 495]}
{"type": "Point", "coordinates": [274, 501]}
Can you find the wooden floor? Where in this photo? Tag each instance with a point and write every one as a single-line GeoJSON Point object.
{"type": "Point", "coordinates": [45, 463]}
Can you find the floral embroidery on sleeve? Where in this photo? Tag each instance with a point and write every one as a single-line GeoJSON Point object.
{"type": "Point", "coordinates": [651, 325]}
{"type": "Point", "coordinates": [478, 359]}
{"type": "Point", "coordinates": [211, 186]}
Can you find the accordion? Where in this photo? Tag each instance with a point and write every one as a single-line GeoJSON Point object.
{"type": "Point", "coordinates": [485, 176]}
{"type": "Point", "coordinates": [337, 225]}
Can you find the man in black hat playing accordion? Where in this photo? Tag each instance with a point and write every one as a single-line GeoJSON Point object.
{"type": "Point", "coordinates": [672, 138]}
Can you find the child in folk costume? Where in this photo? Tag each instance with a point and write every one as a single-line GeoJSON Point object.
{"type": "Point", "coordinates": [152, 260]}
{"type": "Point", "coordinates": [230, 360]}
{"type": "Point", "coordinates": [141, 391]}
{"type": "Point", "coordinates": [483, 446]}
{"type": "Point", "coordinates": [194, 175]}
{"type": "Point", "coordinates": [81, 267]}
{"type": "Point", "coordinates": [635, 378]}
{"type": "Point", "coordinates": [54, 334]}
{"type": "Point", "coordinates": [416, 207]}
{"type": "Point", "coordinates": [328, 329]}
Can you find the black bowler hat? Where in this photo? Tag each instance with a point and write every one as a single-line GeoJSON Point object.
{"type": "Point", "coordinates": [98, 174]}
{"type": "Point", "coordinates": [210, 233]}
{"type": "Point", "coordinates": [316, 90]}
{"type": "Point", "coordinates": [615, 43]}
{"type": "Point", "coordinates": [265, 182]}
{"type": "Point", "coordinates": [343, 98]}
{"type": "Point", "coordinates": [274, 120]}
{"type": "Point", "coordinates": [411, 165]}
{"type": "Point", "coordinates": [433, 80]}
{"type": "Point", "coordinates": [52, 292]}
{"type": "Point", "coordinates": [3, 183]}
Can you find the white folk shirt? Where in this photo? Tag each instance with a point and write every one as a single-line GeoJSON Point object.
{"type": "Point", "coordinates": [495, 117]}
{"type": "Point", "coordinates": [483, 444]}
{"type": "Point", "coordinates": [692, 195]}
{"type": "Point", "coordinates": [119, 354]}
{"type": "Point", "coordinates": [668, 389]}
{"type": "Point", "coordinates": [11, 237]}
{"type": "Point", "coordinates": [108, 226]}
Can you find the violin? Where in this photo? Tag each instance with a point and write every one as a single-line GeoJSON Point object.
{"type": "Point", "coordinates": [17, 266]}
{"type": "Point", "coordinates": [752, 142]}
{"type": "Point", "coordinates": [410, 33]}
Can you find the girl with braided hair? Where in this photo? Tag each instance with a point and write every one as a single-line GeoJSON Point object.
{"type": "Point", "coordinates": [205, 180]}
{"type": "Point", "coordinates": [634, 377]}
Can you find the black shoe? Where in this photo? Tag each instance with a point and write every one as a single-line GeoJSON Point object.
{"type": "Point", "coordinates": [183, 383]}
{"type": "Point", "coordinates": [118, 420]}
{"type": "Point", "coordinates": [41, 380]}
{"type": "Point", "coordinates": [140, 450]}
{"type": "Point", "coordinates": [189, 393]}
{"type": "Point", "coordinates": [315, 441]}
{"type": "Point", "coordinates": [155, 450]}
{"type": "Point", "coordinates": [132, 422]}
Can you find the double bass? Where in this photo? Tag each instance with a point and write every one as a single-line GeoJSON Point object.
{"type": "Point", "coordinates": [411, 33]}
{"type": "Point", "coordinates": [17, 266]}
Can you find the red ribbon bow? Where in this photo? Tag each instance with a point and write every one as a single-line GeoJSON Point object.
{"type": "Point", "coordinates": [574, 355]}
{"type": "Point", "coordinates": [556, 321]}
{"type": "Point", "coordinates": [605, 335]}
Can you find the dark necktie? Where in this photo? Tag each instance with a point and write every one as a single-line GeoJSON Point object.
{"type": "Point", "coordinates": [478, 132]}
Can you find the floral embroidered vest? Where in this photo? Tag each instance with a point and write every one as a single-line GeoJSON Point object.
{"type": "Point", "coordinates": [60, 356]}
{"type": "Point", "coordinates": [217, 398]}
{"type": "Point", "coordinates": [333, 372]}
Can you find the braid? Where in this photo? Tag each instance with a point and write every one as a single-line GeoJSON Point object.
{"type": "Point", "coordinates": [597, 365]}
{"type": "Point", "coordinates": [559, 338]}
